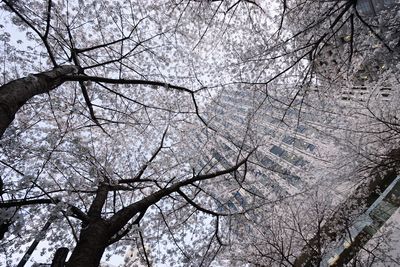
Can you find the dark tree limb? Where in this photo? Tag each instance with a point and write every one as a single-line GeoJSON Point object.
{"type": "Point", "coordinates": [16, 93]}
{"type": "Point", "coordinates": [144, 167]}
{"type": "Point", "coordinates": [59, 257]}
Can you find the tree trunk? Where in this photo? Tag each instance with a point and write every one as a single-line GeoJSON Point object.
{"type": "Point", "coordinates": [91, 245]}
{"type": "Point", "coordinates": [59, 257]}
{"type": "Point", "coordinates": [15, 93]}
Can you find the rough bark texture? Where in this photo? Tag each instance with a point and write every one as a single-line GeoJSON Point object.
{"type": "Point", "coordinates": [16, 93]}
{"type": "Point", "coordinates": [4, 228]}
{"type": "Point", "coordinates": [60, 257]}
{"type": "Point", "coordinates": [91, 245]}
{"type": "Point", "coordinates": [97, 233]}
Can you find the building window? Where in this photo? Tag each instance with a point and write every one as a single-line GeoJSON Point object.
{"type": "Point", "coordinates": [292, 179]}
{"type": "Point", "coordinates": [277, 151]}
{"type": "Point", "coordinates": [231, 206]}
{"type": "Point", "coordinates": [239, 198]}
{"type": "Point", "coordinates": [288, 140]}
{"type": "Point", "coordinates": [266, 162]}
{"type": "Point", "coordinates": [365, 7]}
{"type": "Point", "coordinates": [301, 129]}
{"type": "Point", "coordinates": [310, 147]}
{"type": "Point", "coordinates": [371, 7]}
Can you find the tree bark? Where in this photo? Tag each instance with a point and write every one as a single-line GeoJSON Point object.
{"type": "Point", "coordinates": [16, 93]}
{"type": "Point", "coordinates": [59, 257]}
{"type": "Point", "coordinates": [91, 245]}
{"type": "Point", "coordinates": [97, 233]}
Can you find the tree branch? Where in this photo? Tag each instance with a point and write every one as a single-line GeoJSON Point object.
{"type": "Point", "coordinates": [119, 219]}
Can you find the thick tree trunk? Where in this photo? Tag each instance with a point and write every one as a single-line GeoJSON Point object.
{"type": "Point", "coordinates": [15, 93]}
{"type": "Point", "coordinates": [91, 245]}
{"type": "Point", "coordinates": [59, 257]}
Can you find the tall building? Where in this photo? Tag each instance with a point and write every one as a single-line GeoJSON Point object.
{"type": "Point", "coordinates": [354, 222]}
{"type": "Point", "coordinates": [361, 44]}
{"type": "Point", "coordinates": [290, 152]}
{"type": "Point", "coordinates": [353, 225]}
{"type": "Point", "coordinates": [373, 7]}
{"type": "Point", "coordinates": [284, 152]}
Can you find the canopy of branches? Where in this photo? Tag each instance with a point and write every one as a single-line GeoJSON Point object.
{"type": "Point", "coordinates": [196, 133]}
